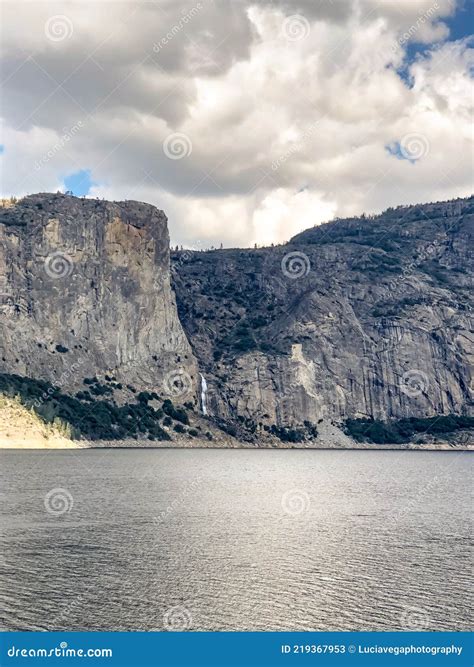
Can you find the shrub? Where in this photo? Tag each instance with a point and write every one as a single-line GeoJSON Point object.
{"type": "Point", "coordinates": [144, 397]}
{"type": "Point", "coordinates": [287, 434]}
{"type": "Point", "coordinates": [245, 344]}
{"type": "Point", "coordinates": [178, 414]}
{"type": "Point", "coordinates": [312, 429]}
{"type": "Point", "coordinates": [401, 431]}
{"type": "Point", "coordinates": [228, 428]}
{"type": "Point", "coordinates": [83, 414]}
{"type": "Point", "coordinates": [101, 390]}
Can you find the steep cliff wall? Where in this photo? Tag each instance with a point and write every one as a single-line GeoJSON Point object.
{"type": "Point", "coordinates": [367, 317]}
{"type": "Point", "coordinates": [84, 292]}
{"type": "Point", "coordinates": [356, 318]}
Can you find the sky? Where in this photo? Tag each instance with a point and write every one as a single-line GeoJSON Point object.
{"type": "Point", "coordinates": [246, 122]}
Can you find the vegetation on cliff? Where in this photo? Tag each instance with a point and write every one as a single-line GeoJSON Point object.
{"type": "Point", "coordinates": [87, 416]}
{"type": "Point", "coordinates": [369, 304]}
{"type": "Point", "coordinates": [401, 431]}
{"type": "Point", "coordinates": [363, 316]}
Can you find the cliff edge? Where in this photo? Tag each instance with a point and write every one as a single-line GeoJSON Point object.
{"type": "Point", "coordinates": [85, 290]}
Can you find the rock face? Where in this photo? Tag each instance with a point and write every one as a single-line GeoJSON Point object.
{"type": "Point", "coordinates": [365, 317]}
{"type": "Point", "coordinates": [85, 291]}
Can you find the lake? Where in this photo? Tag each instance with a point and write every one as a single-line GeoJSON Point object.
{"type": "Point", "coordinates": [235, 540]}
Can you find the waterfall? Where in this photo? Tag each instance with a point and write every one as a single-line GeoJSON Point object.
{"type": "Point", "coordinates": [203, 394]}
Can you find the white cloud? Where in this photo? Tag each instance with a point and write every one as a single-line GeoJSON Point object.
{"type": "Point", "coordinates": [285, 132]}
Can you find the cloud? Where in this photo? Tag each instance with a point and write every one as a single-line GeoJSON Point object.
{"type": "Point", "coordinates": [245, 122]}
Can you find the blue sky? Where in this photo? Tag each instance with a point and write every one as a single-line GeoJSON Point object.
{"type": "Point", "coordinates": [461, 23]}
{"type": "Point", "coordinates": [460, 26]}
{"type": "Point", "coordinates": [79, 183]}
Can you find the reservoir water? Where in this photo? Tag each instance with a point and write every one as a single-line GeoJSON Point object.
{"type": "Point", "coordinates": [235, 540]}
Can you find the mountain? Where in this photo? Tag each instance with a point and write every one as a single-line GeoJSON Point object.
{"type": "Point", "coordinates": [353, 321]}
{"type": "Point", "coordinates": [367, 317]}
{"type": "Point", "coordinates": [84, 289]}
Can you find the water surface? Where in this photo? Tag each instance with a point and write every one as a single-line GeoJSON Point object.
{"type": "Point", "coordinates": [235, 540]}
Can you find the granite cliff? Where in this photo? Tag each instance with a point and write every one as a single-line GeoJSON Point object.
{"type": "Point", "coordinates": [358, 318]}
{"type": "Point", "coordinates": [84, 292]}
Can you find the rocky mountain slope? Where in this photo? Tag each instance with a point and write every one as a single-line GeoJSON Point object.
{"type": "Point", "coordinates": [355, 320]}
{"type": "Point", "coordinates": [358, 318]}
{"type": "Point", "coordinates": [84, 291]}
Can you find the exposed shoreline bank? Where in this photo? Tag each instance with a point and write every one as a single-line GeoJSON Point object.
{"type": "Point", "coordinates": [140, 445]}
{"type": "Point", "coordinates": [21, 428]}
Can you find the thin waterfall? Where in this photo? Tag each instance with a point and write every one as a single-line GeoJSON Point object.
{"type": "Point", "coordinates": [203, 394]}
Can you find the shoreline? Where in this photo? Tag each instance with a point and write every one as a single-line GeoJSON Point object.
{"type": "Point", "coordinates": [412, 447]}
